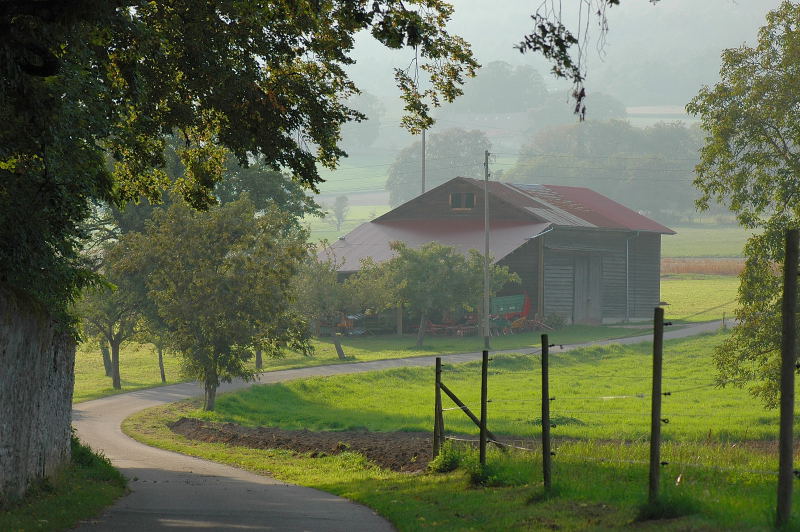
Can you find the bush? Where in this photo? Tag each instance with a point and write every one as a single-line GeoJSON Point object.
{"type": "Point", "coordinates": [450, 457]}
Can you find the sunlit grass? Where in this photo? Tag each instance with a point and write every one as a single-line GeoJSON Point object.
{"type": "Point", "coordinates": [695, 297]}
{"type": "Point", "coordinates": [700, 241]}
{"type": "Point", "coordinates": [720, 469]}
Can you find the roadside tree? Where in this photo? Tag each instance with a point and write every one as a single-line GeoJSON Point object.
{"type": "Point", "coordinates": [437, 278]}
{"type": "Point", "coordinates": [751, 162]}
{"type": "Point", "coordinates": [220, 281]}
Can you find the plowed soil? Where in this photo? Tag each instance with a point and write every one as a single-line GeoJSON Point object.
{"type": "Point", "coordinates": [398, 451]}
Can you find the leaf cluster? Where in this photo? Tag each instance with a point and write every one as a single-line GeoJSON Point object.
{"type": "Point", "coordinates": [750, 162]}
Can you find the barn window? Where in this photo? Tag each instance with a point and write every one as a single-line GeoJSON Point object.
{"type": "Point", "coordinates": [462, 200]}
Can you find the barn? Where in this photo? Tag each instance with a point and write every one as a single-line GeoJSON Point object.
{"type": "Point", "coordinates": [580, 255]}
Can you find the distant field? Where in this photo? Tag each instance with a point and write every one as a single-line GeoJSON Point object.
{"type": "Point", "coordinates": [704, 242]}
{"type": "Point", "coordinates": [325, 228]}
{"type": "Point", "coordinates": [699, 297]}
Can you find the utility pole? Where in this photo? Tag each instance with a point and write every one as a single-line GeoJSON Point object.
{"type": "Point", "coordinates": [423, 161]}
{"type": "Point", "coordinates": [486, 250]}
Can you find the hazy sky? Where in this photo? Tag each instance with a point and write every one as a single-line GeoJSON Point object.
{"type": "Point", "coordinates": [653, 55]}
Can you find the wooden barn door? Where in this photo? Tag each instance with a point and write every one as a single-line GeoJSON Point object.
{"type": "Point", "coordinates": [586, 307]}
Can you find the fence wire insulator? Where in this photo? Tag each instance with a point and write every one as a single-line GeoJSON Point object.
{"type": "Point", "coordinates": [552, 398]}
{"type": "Point", "coordinates": [664, 420]}
{"type": "Point", "coordinates": [665, 463]}
{"type": "Point", "coordinates": [553, 425]}
{"type": "Point", "coordinates": [797, 366]}
{"type": "Point", "coordinates": [552, 453]}
{"type": "Point", "coordinates": [667, 323]}
{"type": "Point", "coordinates": [796, 473]}
{"type": "Point", "coordinates": [667, 393]}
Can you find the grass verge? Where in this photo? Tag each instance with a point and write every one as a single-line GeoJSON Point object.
{"type": "Point", "coordinates": [84, 488]}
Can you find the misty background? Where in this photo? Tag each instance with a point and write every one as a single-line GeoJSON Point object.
{"type": "Point", "coordinates": [637, 145]}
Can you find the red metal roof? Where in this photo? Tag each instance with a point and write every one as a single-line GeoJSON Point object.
{"type": "Point", "coordinates": [372, 239]}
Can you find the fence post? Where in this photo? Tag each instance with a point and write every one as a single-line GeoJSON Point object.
{"type": "Point", "coordinates": [484, 392]}
{"type": "Point", "coordinates": [438, 432]}
{"type": "Point", "coordinates": [546, 456]}
{"type": "Point", "coordinates": [655, 408]}
{"type": "Point", "coordinates": [788, 361]}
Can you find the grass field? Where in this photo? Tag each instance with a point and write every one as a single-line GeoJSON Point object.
{"type": "Point", "coordinates": [138, 369]}
{"type": "Point", "coordinates": [719, 468]}
{"type": "Point", "coordinates": [694, 297]}
{"type": "Point", "coordinates": [81, 490]}
{"type": "Point", "coordinates": [699, 241]}
{"type": "Point", "coordinates": [139, 364]}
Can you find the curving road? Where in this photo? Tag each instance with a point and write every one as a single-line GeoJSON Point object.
{"type": "Point", "coordinates": [171, 491]}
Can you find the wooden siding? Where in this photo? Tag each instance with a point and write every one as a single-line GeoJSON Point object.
{"type": "Point", "coordinates": [524, 261]}
{"type": "Point", "coordinates": [645, 270]}
{"type": "Point", "coordinates": [591, 250]}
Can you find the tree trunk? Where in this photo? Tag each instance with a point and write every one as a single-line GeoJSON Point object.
{"type": "Point", "coordinates": [115, 381]}
{"type": "Point", "coordinates": [161, 363]}
{"type": "Point", "coordinates": [106, 356]}
{"type": "Point", "coordinates": [400, 319]}
{"type": "Point", "coordinates": [423, 321]}
{"type": "Point", "coordinates": [210, 397]}
{"type": "Point", "coordinates": [259, 360]}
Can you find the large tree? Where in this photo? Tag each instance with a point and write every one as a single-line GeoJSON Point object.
{"type": "Point", "coordinates": [450, 153]}
{"type": "Point", "coordinates": [221, 282]}
{"type": "Point", "coordinates": [619, 160]}
{"type": "Point", "coordinates": [751, 162]}
{"type": "Point", "coordinates": [84, 78]}
{"type": "Point", "coordinates": [86, 82]}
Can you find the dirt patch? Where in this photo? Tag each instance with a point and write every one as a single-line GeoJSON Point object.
{"type": "Point", "coordinates": [398, 451]}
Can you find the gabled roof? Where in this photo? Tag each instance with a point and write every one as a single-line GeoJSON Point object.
{"type": "Point", "coordinates": [371, 239]}
{"type": "Point", "coordinates": [573, 206]}
{"type": "Point", "coordinates": [527, 211]}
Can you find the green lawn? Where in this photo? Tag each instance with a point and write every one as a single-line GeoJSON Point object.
{"type": "Point", "coordinates": [139, 363]}
{"type": "Point", "coordinates": [699, 241]}
{"type": "Point", "coordinates": [138, 369]}
{"type": "Point", "coordinates": [695, 297]}
{"type": "Point", "coordinates": [719, 470]}
{"type": "Point", "coordinates": [81, 490]}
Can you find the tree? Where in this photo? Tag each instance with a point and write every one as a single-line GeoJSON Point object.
{"type": "Point", "coordinates": [453, 152]}
{"type": "Point", "coordinates": [340, 210]}
{"type": "Point", "coordinates": [220, 281]}
{"type": "Point", "coordinates": [88, 82]}
{"type": "Point", "coordinates": [751, 162]}
{"type": "Point", "coordinates": [437, 278]}
{"type": "Point", "coordinates": [319, 296]}
{"type": "Point", "coordinates": [500, 88]}
{"type": "Point", "coordinates": [619, 160]}
{"type": "Point", "coordinates": [112, 310]}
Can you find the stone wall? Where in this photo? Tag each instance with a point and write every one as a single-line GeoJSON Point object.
{"type": "Point", "coordinates": [36, 377]}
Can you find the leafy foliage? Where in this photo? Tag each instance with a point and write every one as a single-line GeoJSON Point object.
{"type": "Point", "coordinates": [437, 278]}
{"type": "Point", "coordinates": [451, 153]}
{"type": "Point", "coordinates": [623, 162]}
{"type": "Point", "coordinates": [81, 80]}
{"type": "Point", "coordinates": [220, 281]}
{"type": "Point", "coordinates": [750, 163]}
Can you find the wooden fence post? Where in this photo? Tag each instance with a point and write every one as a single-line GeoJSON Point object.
{"type": "Point", "coordinates": [438, 429]}
{"type": "Point", "coordinates": [484, 393]}
{"type": "Point", "coordinates": [547, 458]}
{"type": "Point", "coordinates": [655, 405]}
{"type": "Point", "coordinates": [788, 361]}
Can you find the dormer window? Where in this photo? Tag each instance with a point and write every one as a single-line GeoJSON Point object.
{"type": "Point", "coordinates": [462, 201]}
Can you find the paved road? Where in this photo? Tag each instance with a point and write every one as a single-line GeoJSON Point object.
{"type": "Point", "coordinates": [172, 491]}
